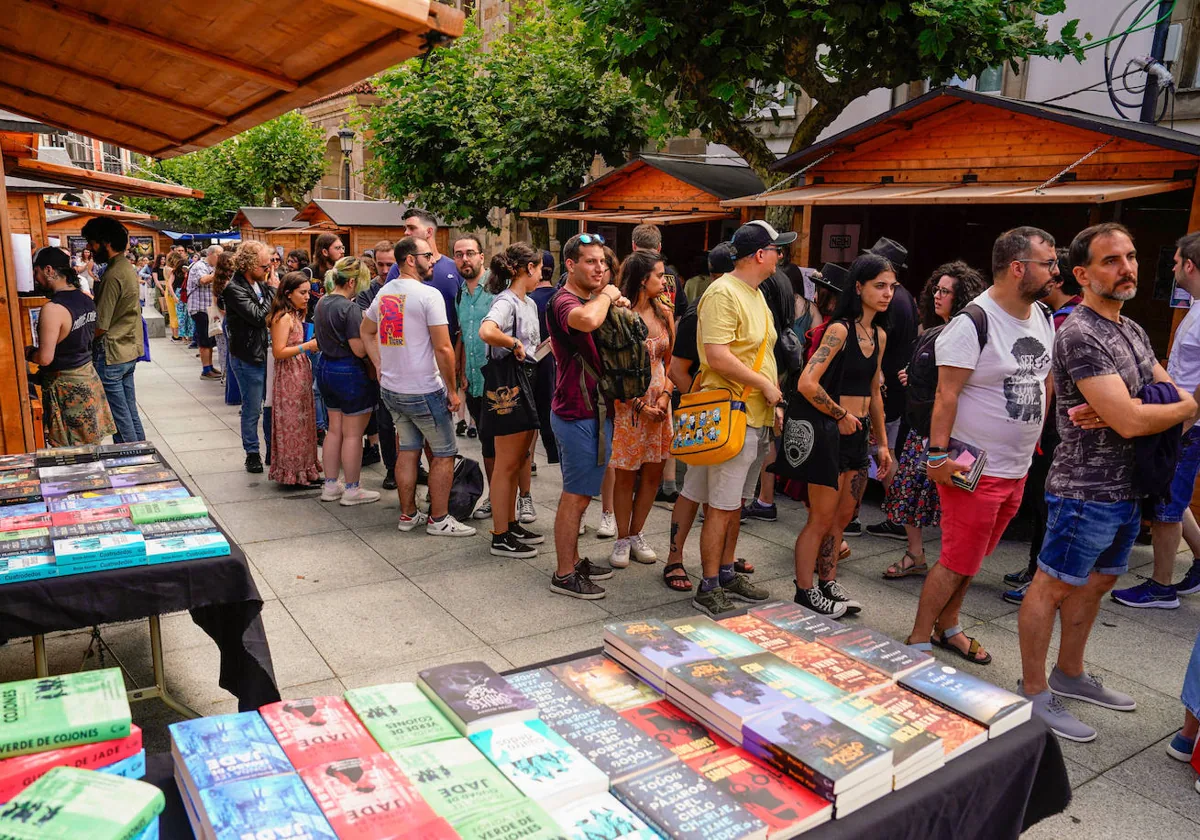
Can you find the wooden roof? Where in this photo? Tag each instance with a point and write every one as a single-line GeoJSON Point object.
{"type": "Point", "coordinates": [91, 179]}
{"type": "Point", "coordinates": [265, 218]}
{"type": "Point", "coordinates": [668, 185]}
{"type": "Point", "coordinates": [348, 214]}
{"type": "Point", "coordinates": [171, 77]}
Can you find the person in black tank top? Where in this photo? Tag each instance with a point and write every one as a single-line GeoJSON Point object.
{"type": "Point", "coordinates": [828, 425]}
{"type": "Point", "coordinates": [75, 410]}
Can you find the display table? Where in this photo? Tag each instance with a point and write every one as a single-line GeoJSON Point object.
{"type": "Point", "coordinates": [218, 591]}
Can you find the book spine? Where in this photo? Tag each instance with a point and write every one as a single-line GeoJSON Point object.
{"type": "Point", "coordinates": [124, 552]}
{"type": "Point", "coordinates": [40, 739]}
{"type": "Point", "coordinates": [98, 566]}
{"type": "Point", "coordinates": [188, 554]}
{"type": "Point", "coordinates": [818, 783]}
{"type": "Point", "coordinates": [442, 706]}
{"type": "Point", "coordinates": [22, 772]}
{"type": "Point", "coordinates": [32, 573]}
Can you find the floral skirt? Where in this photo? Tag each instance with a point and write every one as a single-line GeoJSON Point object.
{"type": "Point", "coordinates": [74, 408]}
{"type": "Point", "coordinates": [186, 327]}
{"type": "Point", "coordinates": [912, 499]}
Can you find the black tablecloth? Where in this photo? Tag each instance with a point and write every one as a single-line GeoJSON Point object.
{"type": "Point", "coordinates": [218, 591]}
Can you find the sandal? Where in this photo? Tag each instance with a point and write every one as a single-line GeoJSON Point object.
{"type": "Point", "coordinates": [845, 552]}
{"type": "Point", "coordinates": [743, 567]}
{"type": "Point", "coordinates": [899, 570]}
{"type": "Point", "coordinates": [972, 652]}
{"type": "Point", "coordinates": [676, 578]}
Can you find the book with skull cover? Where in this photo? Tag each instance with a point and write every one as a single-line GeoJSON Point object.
{"type": "Point", "coordinates": [474, 697]}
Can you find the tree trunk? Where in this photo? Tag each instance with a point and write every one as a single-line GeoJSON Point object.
{"type": "Point", "coordinates": [751, 147]}
{"type": "Point", "coordinates": [821, 116]}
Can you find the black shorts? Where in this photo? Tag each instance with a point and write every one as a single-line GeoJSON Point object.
{"type": "Point", "coordinates": [200, 335]}
{"type": "Point", "coordinates": [475, 409]}
{"type": "Point", "coordinates": [853, 452]}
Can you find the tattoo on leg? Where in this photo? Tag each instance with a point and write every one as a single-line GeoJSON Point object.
{"type": "Point", "coordinates": [858, 484]}
{"type": "Point", "coordinates": [825, 558]}
{"type": "Point", "coordinates": [674, 533]}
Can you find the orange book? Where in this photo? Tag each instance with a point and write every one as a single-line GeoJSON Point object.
{"type": "Point", "coordinates": [833, 667]}
{"type": "Point", "coordinates": [763, 633]}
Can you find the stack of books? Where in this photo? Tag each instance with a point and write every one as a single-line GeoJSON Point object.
{"type": "Point", "coordinates": [991, 707]}
{"type": "Point", "coordinates": [399, 715]}
{"type": "Point", "coordinates": [317, 730]}
{"type": "Point", "coordinates": [18, 773]}
{"type": "Point", "coordinates": [721, 695]}
{"type": "Point", "coordinates": [69, 804]}
{"type": "Point", "coordinates": [50, 713]}
{"type": "Point", "coordinates": [649, 648]}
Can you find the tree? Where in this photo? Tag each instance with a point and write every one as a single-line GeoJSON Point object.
{"type": "Point", "coordinates": [511, 123]}
{"type": "Point", "coordinates": [713, 63]}
{"type": "Point", "coordinates": [279, 160]}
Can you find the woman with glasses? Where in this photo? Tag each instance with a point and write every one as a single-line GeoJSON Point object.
{"type": "Point", "coordinates": [912, 499]}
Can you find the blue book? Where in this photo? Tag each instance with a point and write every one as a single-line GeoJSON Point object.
{"type": "Point", "coordinates": [129, 544]}
{"type": "Point", "coordinates": [618, 748]}
{"type": "Point", "coordinates": [27, 567]}
{"type": "Point", "coordinates": [272, 806]}
{"type": "Point", "coordinates": [988, 705]}
{"type": "Point", "coordinates": [650, 647]}
{"type": "Point", "coordinates": [797, 620]}
{"type": "Point", "coordinates": [720, 642]}
{"type": "Point", "coordinates": [218, 750]}
{"type": "Point", "coordinates": [25, 509]}
{"type": "Point", "coordinates": [133, 767]}
{"type": "Point", "coordinates": [150, 832]}
{"type": "Point", "coordinates": [186, 547]}
{"type": "Point", "coordinates": [540, 763]}
{"type": "Point", "coordinates": [683, 805]}
{"type": "Point", "coordinates": [720, 689]}
{"type": "Point", "coordinates": [602, 818]}
{"type": "Point", "coordinates": [101, 565]}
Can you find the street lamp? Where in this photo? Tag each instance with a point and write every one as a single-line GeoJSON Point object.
{"type": "Point", "coordinates": [346, 138]}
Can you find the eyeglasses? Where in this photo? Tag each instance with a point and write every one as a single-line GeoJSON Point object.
{"type": "Point", "coordinates": [274, 259]}
{"type": "Point", "coordinates": [264, 266]}
{"type": "Point", "coordinates": [427, 254]}
{"type": "Point", "coordinates": [941, 292]}
{"type": "Point", "coordinates": [591, 239]}
{"type": "Point", "coordinates": [466, 255]}
{"type": "Point", "coordinates": [1048, 264]}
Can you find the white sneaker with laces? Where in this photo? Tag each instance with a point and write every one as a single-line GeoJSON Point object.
{"type": "Point", "coordinates": [608, 524]}
{"type": "Point", "coordinates": [407, 523]}
{"type": "Point", "coordinates": [332, 492]}
{"type": "Point", "coordinates": [619, 559]}
{"type": "Point", "coordinates": [449, 527]}
{"type": "Point", "coordinates": [526, 512]}
{"type": "Point", "coordinates": [358, 496]}
{"type": "Point", "coordinates": [642, 552]}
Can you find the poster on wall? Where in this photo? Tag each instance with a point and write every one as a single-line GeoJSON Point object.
{"type": "Point", "coordinates": [76, 245]}
{"type": "Point", "coordinates": [141, 246]}
{"type": "Point", "coordinates": [839, 243]}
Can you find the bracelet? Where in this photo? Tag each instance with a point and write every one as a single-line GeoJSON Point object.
{"type": "Point", "coordinates": [937, 449]}
{"type": "Point", "coordinates": [935, 462]}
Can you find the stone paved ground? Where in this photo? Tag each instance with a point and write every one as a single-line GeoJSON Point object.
{"type": "Point", "coordinates": [349, 602]}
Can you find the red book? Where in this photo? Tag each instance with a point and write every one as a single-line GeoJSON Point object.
{"type": "Point", "coordinates": [368, 798]}
{"type": "Point", "coordinates": [83, 517]}
{"type": "Point", "coordinates": [318, 730]}
{"type": "Point", "coordinates": [786, 806]}
{"type": "Point", "coordinates": [763, 633]}
{"type": "Point", "coordinates": [675, 729]}
{"type": "Point", "coordinates": [20, 523]}
{"type": "Point", "coordinates": [18, 773]}
{"type": "Point", "coordinates": [834, 667]}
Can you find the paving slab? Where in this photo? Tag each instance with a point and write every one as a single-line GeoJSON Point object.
{"type": "Point", "coordinates": [1161, 779]}
{"type": "Point", "coordinates": [408, 671]}
{"type": "Point", "coordinates": [200, 440]}
{"type": "Point", "coordinates": [241, 486]}
{"type": "Point", "coordinates": [417, 553]}
{"type": "Point", "coordinates": [275, 518]}
{"type": "Point", "coordinates": [303, 565]}
{"type": "Point", "coordinates": [223, 460]}
{"type": "Point", "coordinates": [1104, 810]}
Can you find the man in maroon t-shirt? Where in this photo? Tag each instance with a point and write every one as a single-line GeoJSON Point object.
{"type": "Point", "coordinates": [580, 419]}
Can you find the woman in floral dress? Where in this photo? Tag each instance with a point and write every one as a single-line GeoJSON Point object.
{"type": "Point", "coordinates": [642, 426]}
{"type": "Point", "coordinates": [294, 420]}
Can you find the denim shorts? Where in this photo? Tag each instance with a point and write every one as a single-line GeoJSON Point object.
{"type": "Point", "coordinates": [1084, 537]}
{"type": "Point", "coordinates": [1184, 481]}
{"type": "Point", "coordinates": [577, 449]}
{"type": "Point", "coordinates": [345, 386]}
{"type": "Point", "coordinates": [422, 418]}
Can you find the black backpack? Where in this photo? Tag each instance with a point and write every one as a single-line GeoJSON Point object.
{"type": "Point", "coordinates": [923, 370]}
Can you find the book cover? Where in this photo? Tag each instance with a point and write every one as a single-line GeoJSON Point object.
{"type": "Point", "coordinates": [61, 711]}
{"type": "Point", "coordinates": [317, 730]}
{"type": "Point", "coordinates": [797, 620]}
{"type": "Point", "coordinates": [675, 729]}
{"type": "Point", "coordinates": [82, 451]}
{"type": "Point", "coordinates": [133, 767]}
{"type": "Point", "coordinates": [148, 493]}
{"type": "Point", "coordinates": [526, 820]}
{"type": "Point", "coordinates": [399, 715]}
{"type": "Point", "coordinates": [115, 525]}
{"type": "Point", "coordinates": [834, 667]}
{"type": "Point", "coordinates": [821, 753]}
{"type": "Point", "coordinates": [126, 450]}
{"type": "Point", "coordinates": [554, 700]}
{"type": "Point", "coordinates": [599, 679]}
{"type": "Point", "coordinates": [19, 477]}
{"type": "Point", "coordinates": [958, 734]}
{"type": "Point", "coordinates": [137, 477]}
{"type": "Point", "coordinates": [86, 501]}
{"type": "Point", "coordinates": [25, 509]}
{"type": "Point", "coordinates": [130, 461]}
{"type": "Point", "coordinates": [61, 519]}
{"type": "Point", "coordinates": [226, 748]}
{"type": "Point", "coordinates": [74, 485]}
{"type": "Point", "coordinates": [719, 641]}
{"type": "Point", "coordinates": [724, 689]}
{"type": "Point", "coordinates": [99, 547]}
{"type": "Point", "coordinates": [18, 773]}
{"type": "Point", "coordinates": [880, 652]}
{"type": "Point", "coordinates": [908, 744]}
{"type": "Point", "coordinates": [23, 523]}
{"type": "Point", "coordinates": [473, 696]}
{"type": "Point", "coordinates": [540, 763]}
{"type": "Point", "coordinates": [653, 642]}
{"type": "Point", "coordinates": [102, 564]}
{"type": "Point", "coordinates": [27, 567]}
{"type": "Point", "coordinates": [610, 742]}
{"type": "Point", "coordinates": [17, 496]}
{"type": "Point", "coordinates": [787, 679]}
{"type": "Point", "coordinates": [455, 779]}
{"type": "Point", "coordinates": [786, 806]}
{"type": "Point", "coordinates": [70, 804]}
{"type": "Point", "coordinates": [686, 806]}
{"type": "Point", "coordinates": [602, 817]}
{"type": "Point", "coordinates": [988, 705]}
{"type": "Point", "coordinates": [71, 472]}
{"type": "Point", "coordinates": [367, 798]}
{"type": "Point", "coordinates": [763, 633]}
{"type": "Point", "coordinates": [171, 509]}
{"type": "Point", "coordinates": [267, 807]}
{"type": "Point", "coordinates": [150, 832]}
{"type": "Point", "coordinates": [18, 461]}
{"type": "Point", "coordinates": [971, 457]}
{"type": "Point", "coordinates": [170, 527]}
{"type": "Point", "coordinates": [29, 541]}
{"type": "Point", "coordinates": [195, 546]}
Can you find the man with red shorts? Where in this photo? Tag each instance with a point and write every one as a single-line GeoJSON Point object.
{"type": "Point", "coordinates": [991, 394]}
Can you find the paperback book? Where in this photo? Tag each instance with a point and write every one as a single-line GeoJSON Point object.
{"type": "Point", "coordinates": [149, 493]}
{"type": "Point", "coordinates": [18, 477]}
{"type": "Point", "coordinates": [102, 564]}
{"type": "Point", "coordinates": [972, 458]}
{"type": "Point", "coordinates": [58, 455]}
{"type": "Point", "coordinates": [399, 715]}
{"type": "Point", "coordinates": [27, 567]}
{"type": "Point", "coordinates": [172, 509]}
{"type": "Point", "coordinates": [317, 730]}
{"type": "Point", "coordinates": [25, 522]}
{"type": "Point", "coordinates": [133, 767]}
{"type": "Point", "coordinates": [29, 541]}
{"type": "Point", "coordinates": [23, 509]}
{"type": "Point", "coordinates": [988, 705]}
{"type": "Point", "coordinates": [797, 620]}
{"type": "Point", "coordinates": [86, 501]}
{"type": "Point", "coordinates": [763, 633]}
{"type": "Point", "coordinates": [834, 667]}
{"type": "Point", "coordinates": [18, 461]}
{"type": "Point", "coordinates": [651, 647]}
{"type": "Point", "coordinates": [958, 734]}
{"type": "Point", "coordinates": [130, 461]}
{"type": "Point", "coordinates": [540, 763]}
{"type": "Point", "coordinates": [171, 527]}
{"type": "Point", "coordinates": [455, 779]}
{"type": "Point", "coordinates": [115, 525]}
{"type": "Point", "coordinates": [74, 485]}
{"type": "Point", "coordinates": [17, 496]}
{"type": "Point", "coordinates": [554, 700]}
{"type": "Point", "coordinates": [599, 679]}
{"type": "Point", "coordinates": [367, 798]}
{"type": "Point", "coordinates": [69, 804]}
{"type": "Point", "coordinates": [719, 641]}
{"type": "Point", "coordinates": [910, 747]}
{"type": "Point", "coordinates": [611, 743]}
{"type": "Point", "coordinates": [193, 546]}
{"type": "Point", "coordinates": [787, 679]}
{"type": "Point", "coordinates": [213, 751]}
{"type": "Point", "coordinates": [126, 450]}
{"type": "Point", "coordinates": [602, 817]}
{"type": "Point", "coordinates": [685, 806]}
{"type": "Point", "coordinates": [129, 545]}
{"type": "Point", "coordinates": [134, 477]}
{"type": "Point", "coordinates": [18, 773]}
{"type": "Point", "coordinates": [675, 729]}
{"type": "Point", "coordinates": [71, 472]}
{"type": "Point", "coordinates": [878, 651]}
{"type": "Point", "coordinates": [723, 693]}
{"type": "Point", "coordinates": [524, 819]}
{"type": "Point", "coordinates": [61, 711]}
{"type": "Point", "coordinates": [473, 697]}
{"type": "Point", "coordinates": [271, 806]}
{"type": "Point", "coordinates": [62, 519]}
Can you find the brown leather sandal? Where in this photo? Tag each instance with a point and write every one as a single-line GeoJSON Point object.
{"type": "Point", "coordinates": [972, 652]}
{"type": "Point", "coordinates": [899, 570]}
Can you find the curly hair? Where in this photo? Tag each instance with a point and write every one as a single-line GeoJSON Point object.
{"type": "Point", "coordinates": [968, 285]}
{"type": "Point", "coordinates": [222, 274]}
{"type": "Point", "coordinates": [248, 254]}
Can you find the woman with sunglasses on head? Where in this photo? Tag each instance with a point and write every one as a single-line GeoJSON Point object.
{"type": "Point", "coordinates": [293, 422]}
{"type": "Point", "coordinates": [912, 499]}
{"type": "Point", "coordinates": [826, 435]}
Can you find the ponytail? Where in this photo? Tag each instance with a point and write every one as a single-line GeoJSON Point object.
{"type": "Point", "coordinates": [501, 275]}
{"type": "Point", "coordinates": [72, 277]}
{"type": "Point", "coordinates": [506, 265]}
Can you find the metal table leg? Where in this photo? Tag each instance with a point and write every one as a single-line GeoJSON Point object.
{"type": "Point", "coordinates": [40, 666]}
{"type": "Point", "coordinates": [159, 689]}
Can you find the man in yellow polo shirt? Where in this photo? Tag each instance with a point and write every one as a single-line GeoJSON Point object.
{"type": "Point", "coordinates": [734, 322]}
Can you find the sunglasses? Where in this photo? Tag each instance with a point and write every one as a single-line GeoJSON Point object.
{"type": "Point", "coordinates": [591, 239]}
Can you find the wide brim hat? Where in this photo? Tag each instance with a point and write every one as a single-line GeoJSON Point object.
{"type": "Point", "coordinates": [832, 276]}
{"type": "Point", "coordinates": [890, 250]}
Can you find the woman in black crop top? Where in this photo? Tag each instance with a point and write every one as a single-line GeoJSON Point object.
{"type": "Point", "coordinates": [74, 408]}
{"type": "Point", "coordinates": [838, 404]}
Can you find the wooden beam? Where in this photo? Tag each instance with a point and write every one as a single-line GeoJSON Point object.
{"type": "Point", "coordinates": [73, 176]}
{"type": "Point", "coordinates": [154, 99]}
{"type": "Point", "coordinates": [401, 14]}
{"type": "Point", "coordinates": [98, 211]}
{"type": "Point", "coordinates": [75, 106]}
{"type": "Point", "coordinates": [102, 27]}
{"type": "Point", "coordinates": [16, 421]}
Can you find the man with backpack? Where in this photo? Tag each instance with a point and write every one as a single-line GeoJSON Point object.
{"type": "Point", "coordinates": [991, 395]}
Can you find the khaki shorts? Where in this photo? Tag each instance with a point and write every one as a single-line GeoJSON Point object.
{"type": "Point", "coordinates": [725, 486]}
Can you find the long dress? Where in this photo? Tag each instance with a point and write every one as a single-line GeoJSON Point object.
{"type": "Point", "coordinates": [637, 439]}
{"type": "Point", "coordinates": [294, 419]}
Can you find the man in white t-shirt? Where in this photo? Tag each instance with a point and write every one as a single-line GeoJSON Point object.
{"type": "Point", "coordinates": [406, 332]}
{"type": "Point", "coordinates": [992, 397]}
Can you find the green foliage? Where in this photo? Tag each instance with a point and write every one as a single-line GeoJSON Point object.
{"type": "Point", "coordinates": [509, 124]}
{"type": "Point", "coordinates": [713, 63]}
{"type": "Point", "coordinates": [280, 159]}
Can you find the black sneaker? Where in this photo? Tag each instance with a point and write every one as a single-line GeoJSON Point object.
{"type": "Point", "coordinates": [533, 469]}
{"type": "Point", "coordinates": [854, 529]}
{"type": "Point", "coordinates": [472, 432]}
{"type": "Point", "coordinates": [254, 463]}
{"type": "Point", "coordinates": [422, 475]}
{"type": "Point", "coordinates": [389, 481]}
{"type": "Point", "coordinates": [320, 437]}
{"type": "Point", "coordinates": [370, 455]}
{"type": "Point", "coordinates": [576, 585]}
{"type": "Point", "coordinates": [888, 529]}
{"type": "Point", "coordinates": [834, 591]}
{"type": "Point", "coordinates": [1021, 578]}
{"type": "Point", "coordinates": [461, 429]}
{"type": "Point", "coordinates": [595, 571]}
{"type": "Point", "coordinates": [814, 599]}
{"type": "Point", "coordinates": [525, 536]}
{"type": "Point", "coordinates": [663, 496]}
{"type": "Point", "coordinates": [507, 545]}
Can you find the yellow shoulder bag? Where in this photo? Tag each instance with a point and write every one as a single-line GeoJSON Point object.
{"type": "Point", "coordinates": [710, 426]}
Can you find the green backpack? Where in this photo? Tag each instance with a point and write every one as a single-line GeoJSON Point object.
{"type": "Point", "coordinates": [621, 343]}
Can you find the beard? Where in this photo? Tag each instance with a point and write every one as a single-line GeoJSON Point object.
{"type": "Point", "coordinates": [1120, 294]}
{"type": "Point", "coordinates": [468, 272]}
{"type": "Point", "coordinates": [1036, 292]}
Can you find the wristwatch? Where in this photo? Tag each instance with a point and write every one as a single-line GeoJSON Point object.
{"type": "Point", "coordinates": [516, 341]}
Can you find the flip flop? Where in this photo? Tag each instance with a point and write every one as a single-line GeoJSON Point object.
{"type": "Point", "coordinates": [677, 582]}
{"type": "Point", "coordinates": [971, 654]}
{"type": "Point", "coordinates": [899, 570]}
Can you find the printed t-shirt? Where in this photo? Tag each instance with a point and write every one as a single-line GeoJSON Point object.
{"type": "Point", "coordinates": [733, 313]}
{"type": "Point", "coordinates": [336, 321]}
{"type": "Point", "coordinates": [1003, 403]}
{"type": "Point", "coordinates": [446, 279]}
{"type": "Point", "coordinates": [569, 345]}
{"type": "Point", "coordinates": [405, 309]}
{"type": "Point", "coordinates": [509, 311]}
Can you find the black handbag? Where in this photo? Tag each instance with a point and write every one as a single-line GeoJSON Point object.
{"type": "Point", "coordinates": [508, 406]}
{"type": "Point", "coordinates": [807, 449]}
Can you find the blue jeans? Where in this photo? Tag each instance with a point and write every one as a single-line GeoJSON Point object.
{"type": "Point", "coordinates": [421, 419]}
{"type": "Point", "coordinates": [252, 382]}
{"type": "Point", "coordinates": [122, 401]}
{"type": "Point", "coordinates": [1191, 682]}
{"type": "Point", "coordinates": [322, 414]}
{"type": "Point", "coordinates": [1084, 537]}
{"type": "Point", "coordinates": [1184, 480]}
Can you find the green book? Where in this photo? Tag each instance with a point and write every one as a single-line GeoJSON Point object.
{"type": "Point", "coordinates": [525, 819]}
{"type": "Point", "coordinates": [456, 780]}
{"type": "Point", "coordinates": [171, 509]}
{"type": "Point", "coordinates": [62, 711]}
{"type": "Point", "coordinates": [72, 804]}
{"type": "Point", "coordinates": [399, 715]}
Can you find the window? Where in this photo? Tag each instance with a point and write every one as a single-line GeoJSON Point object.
{"type": "Point", "coordinates": [112, 159]}
{"type": "Point", "coordinates": [784, 100]}
{"type": "Point", "coordinates": [55, 141]}
{"type": "Point", "coordinates": [990, 80]}
{"type": "Point", "coordinates": [79, 150]}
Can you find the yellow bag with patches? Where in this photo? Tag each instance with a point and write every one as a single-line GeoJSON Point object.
{"type": "Point", "coordinates": [710, 426]}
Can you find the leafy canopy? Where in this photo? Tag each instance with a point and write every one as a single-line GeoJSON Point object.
{"type": "Point", "coordinates": [713, 63]}
{"type": "Point", "coordinates": [510, 123]}
{"type": "Point", "coordinates": [280, 159]}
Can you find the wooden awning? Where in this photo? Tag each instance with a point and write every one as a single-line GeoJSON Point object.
{"type": "Point", "coordinates": [169, 78]}
{"type": "Point", "coordinates": [122, 215]}
{"type": "Point", "coordinates": [643, 217]}
{"type": "Point", "coordinates": [72, 177]}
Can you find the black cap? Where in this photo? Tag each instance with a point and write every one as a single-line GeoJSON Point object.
{"type": "Point", "coordinates": [720, 258]}
{"type": "Point", "coordinates": [547, 260]}
{"type": "Point", "coordinates": [832, 276]}
{"type": "Point", "coordinates": [890, 250]}
{"type": "Point", "coordinates": [756, 235]}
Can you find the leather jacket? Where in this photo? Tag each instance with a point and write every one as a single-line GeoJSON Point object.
{"type": "Point", "coordinates": [246, 319]}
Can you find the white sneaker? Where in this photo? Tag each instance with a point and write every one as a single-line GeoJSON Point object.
{"type": "Point", "coordinates": [358, 496]}
{"type": "Point", "coordinates": [332, 492]}
{"type": "Point", "coordinates": [484, 511]}
{"type": "Point", "coordinates": [582, 527]}
{"type": "Point", "coordinates": [642, 552]}
{"type": "Point", "coordinates": [525, 510]}
{"type": "Point", "coordinates": [608, 524]}
{"type": "Point", "coordinates": [407, 523]}
{"type": "Point", "coordinates": [449, 527]}
{"type": "Point", "coordinates": [619, 558]}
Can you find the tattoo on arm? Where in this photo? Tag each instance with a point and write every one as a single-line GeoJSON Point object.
{"type": "Point", "coordinates": [825, 559]}
{"type": "Point", "coordinates": [825, 403]}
